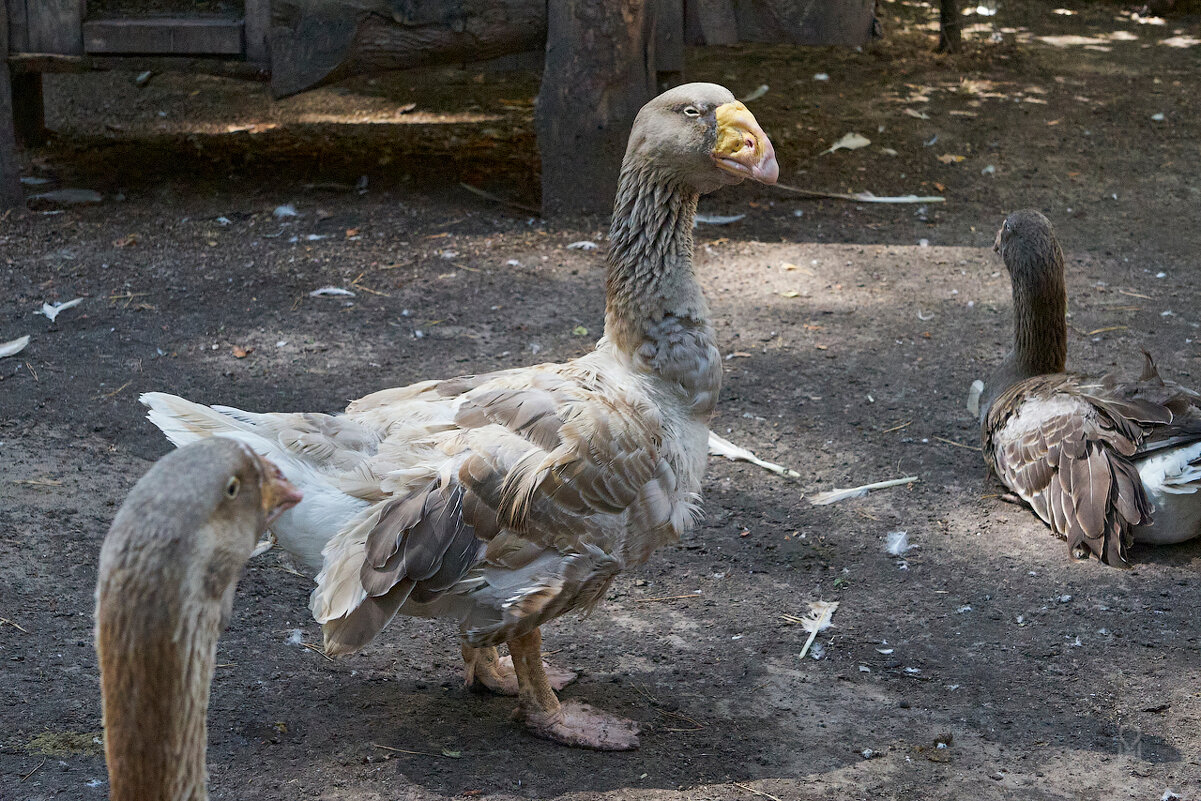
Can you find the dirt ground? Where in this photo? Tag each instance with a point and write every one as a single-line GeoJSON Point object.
{"type": "Point", "coordinates": [983, 664]}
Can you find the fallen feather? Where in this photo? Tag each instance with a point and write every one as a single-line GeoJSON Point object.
{"type": "Point", "coordinates": [920, 115]}
{"type": "Point", "coordinates": [286, 210]}
{"type": "Point", "coordinates": [717, 219]}
{"type": "Point", "coordinates": [69, 197]}
{"type": "Point", "coordinates": [331, 290]}
{"type": "Point", "coordinates": [52, 312]}
{"type": "Point", "coordinates": [583, 244]}
{"type": "Point", "coordinates": [989, 170]}
{"type": "Point", "coordinates": [723, 447]}
{"type": "Point", "coordinates": [821, 76]}
{"type": "Point", "coordinates": [755, 95]}
{"type": "Point", "coordinates": [888, 151]}
{"type": "Point", "coordinates": [973, 397]}
{"type": "Point", "coordinates": [841, 494]}
{"type": "Point", "coordinates": [1158, 117]}
{"type": "Point", "coordinates": [13, 347]}
{"type": "Point", "coordinates": [820, 617]}
{"type": "Point", "coordinates": [897, 543]}
{"type": "Point", "coordinates": [864, 197]}
{"type": "Point", "coordinates": [851, 141]}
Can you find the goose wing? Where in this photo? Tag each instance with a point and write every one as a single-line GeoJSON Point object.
{"type": "Point", "coordinates": [1067, 447]}
{"type": "Point", "coordinates": [523, 501]}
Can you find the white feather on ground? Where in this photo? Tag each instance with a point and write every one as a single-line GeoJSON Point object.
{"type": "Point", "coordinates": [897, 543]}
{"type": "Point", "coordinates": [735, 453]}
{"type": "Point", "coordinates": [13, 347]}
{"type": "Point", "coordinates": [841, 494]}
{"type": "Point", "coordinates": [819, 618]}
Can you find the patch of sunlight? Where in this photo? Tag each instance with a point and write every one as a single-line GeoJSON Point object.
{"type": "Point", "coordinates": [1181, 41]}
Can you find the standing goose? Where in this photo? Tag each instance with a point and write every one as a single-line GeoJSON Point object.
{"type": "Point", "coordinates": [168, 569]}
{"type": "Point", "coordinates": [1104, 463]}
{"type": "Point", "coordinates": [505, 500]}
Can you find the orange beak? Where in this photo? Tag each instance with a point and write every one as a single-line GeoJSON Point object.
{"type": "Point", "coordinates": [742, 147]}
{"type": "Point", "coordinates": [278, 495]}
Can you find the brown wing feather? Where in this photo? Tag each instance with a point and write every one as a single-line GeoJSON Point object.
{"type": "Point", "coordinates": [1074, 467]}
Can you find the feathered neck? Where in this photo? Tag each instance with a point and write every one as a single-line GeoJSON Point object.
{"type": "Point", "coordinates": [1040, 302]}
{"type": "Point", "coordinates": [157, 642]}
{"type": "Point", "coordinates": [655, 312]}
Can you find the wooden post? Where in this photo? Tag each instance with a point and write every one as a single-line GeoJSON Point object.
{"type": "Point", "coordinates": [258, 23]}
{"type": "Point", "coordinates": [11, 195]}
{"type": "Point", "coordinates": [949, 23]}
{"type": "Point", "coordinates": [600, 69]}
{"type": "Point", "coordinates": [29, 113]}
{"type": "Point", "coordinates": [669, 42]}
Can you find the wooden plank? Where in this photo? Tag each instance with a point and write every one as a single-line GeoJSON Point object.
{"type": "Point", "coordinates": [258, 25]}
{"type": "Point", "coordinates": [11, 194]}
{"type": "Point", "coordinates": [209, 36]}
{"type": "Point", "coordinates": [54, 26]}
{"type": "Point", "coordinates": [598, 75]}
{"type": "Point", "coordinates": [26, 63]}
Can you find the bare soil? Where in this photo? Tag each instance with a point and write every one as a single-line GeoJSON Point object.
{"type": "Point", "coordinates": [983, 664]}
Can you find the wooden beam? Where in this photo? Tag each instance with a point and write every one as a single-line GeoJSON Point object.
{"type": "Point", "coordinates": [201, 36]}
{"type": "Point", "coordinates": [25, 63]}
{"type": "Point", "coordinates": [11, 194]}
{"type": "Point", "coordinates": [598, 75]}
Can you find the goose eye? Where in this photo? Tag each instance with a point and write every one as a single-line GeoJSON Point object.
{"type": "Point", "coordinates": [231, 487]}
{"type": "Point", "coordinates": [691, 111]}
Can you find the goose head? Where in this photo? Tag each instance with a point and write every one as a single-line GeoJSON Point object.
{"type": "Point", "coordinates": [168, 569]}
{"type": "Point", "coordinates": [702, 137]}
{"type": "Point", "coordinates": [1027, 244]}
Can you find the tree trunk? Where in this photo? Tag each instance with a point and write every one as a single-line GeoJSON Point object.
{"type": "Point", "coordinates": [949, 23]}
{"type": "Point", "coordinates": [600, 70]}
{"type": "Point", "coordinates": [11, 194]}
{"type": "Point", "coordinates": [315, 43]}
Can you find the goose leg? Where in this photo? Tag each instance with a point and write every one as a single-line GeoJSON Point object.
{"type": "Point", "coordinates": [484, 669]}
{"type": "Point", "coordinates": [571, 723]}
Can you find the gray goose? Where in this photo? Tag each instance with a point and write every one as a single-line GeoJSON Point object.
{"type": "Point", "coordinates": [506, 500]}
{"type": "Point", "coordinates": [168, 570]}
{"type": "Point", "coordinates": [1103, 462]}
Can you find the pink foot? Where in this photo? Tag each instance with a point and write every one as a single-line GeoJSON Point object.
{"type": "Point", "coordinates": [583, 726]}
{"type": "Point", "coordinates": [503, 681]}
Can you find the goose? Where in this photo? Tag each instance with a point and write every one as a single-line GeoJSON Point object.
{"type": "Point", "coordinates": [1104, 462]}
{"type": "Point", "coordinates": [168, 569]}
{"type": "Point", "coordinates": [508, 499]}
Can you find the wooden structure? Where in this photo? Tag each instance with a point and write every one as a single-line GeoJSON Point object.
{"type": "Point", "coordinates": [603, 58]}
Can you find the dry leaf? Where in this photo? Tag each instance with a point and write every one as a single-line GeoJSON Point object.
{"type": "Point", "coordinates": [127, 240]}
{"type": "Point", "coordinates": [951, 158]}
{"type": "Point", "coordinates": [920, 115]}
{"type": "Point", "coordinates": [791, 293]}
{"type": "Point", "coordinates": [240, 352]}
{"type": "Point", "coordinates": [352, 232]}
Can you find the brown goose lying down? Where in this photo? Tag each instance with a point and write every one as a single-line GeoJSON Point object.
{"type": "Point", "coordinates": [168, 569]}
{"type": "Point", "coordinates": [1104, 462]}
{"type": "Point", "coordinates": [505, 500]}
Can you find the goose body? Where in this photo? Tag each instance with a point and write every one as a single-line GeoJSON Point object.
{"type": "Point", "coordinates": [1104, 462]}
{"type": "Point", "coordinates": [168, 569]}
{"type": "Point", "coordinates": [505, 500]}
